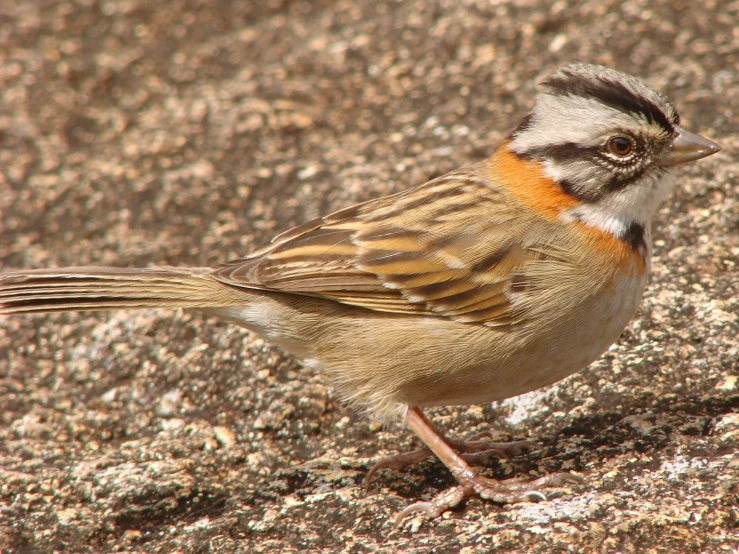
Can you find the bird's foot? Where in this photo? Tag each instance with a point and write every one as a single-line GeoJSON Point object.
{"type": "Point", "coordinates": [507, 492]}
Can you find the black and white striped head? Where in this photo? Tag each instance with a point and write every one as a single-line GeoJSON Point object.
{"type": "Point", "coordinates": [608, 140]}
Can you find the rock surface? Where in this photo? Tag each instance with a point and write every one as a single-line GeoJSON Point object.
{"type": "Point", "coordinates": [187, 132]}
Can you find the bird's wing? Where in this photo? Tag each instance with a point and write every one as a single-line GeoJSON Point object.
{"type": "Point", "coordinates": [455, 247]}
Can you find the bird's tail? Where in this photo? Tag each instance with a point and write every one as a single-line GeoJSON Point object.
{"type": "Point", "coordinates": [107, 288]}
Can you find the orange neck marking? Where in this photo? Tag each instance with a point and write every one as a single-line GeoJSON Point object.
{"type": "Point", "coordinates": [527, 183]}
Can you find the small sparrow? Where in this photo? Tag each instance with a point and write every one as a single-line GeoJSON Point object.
{"type": "Point", "coordinates": [488, 282]}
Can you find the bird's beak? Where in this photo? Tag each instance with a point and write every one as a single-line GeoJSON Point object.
{"type": "Point", "coordinates": [686, 147]}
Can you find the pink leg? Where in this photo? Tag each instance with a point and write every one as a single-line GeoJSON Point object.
{"type": "Point", "coordinates": [474, 450]}
{"type": "Point", "coordinates": [470, 483]}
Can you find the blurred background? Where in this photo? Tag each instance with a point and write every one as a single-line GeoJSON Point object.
{"type": "Point", "coordinates": [189, 132]}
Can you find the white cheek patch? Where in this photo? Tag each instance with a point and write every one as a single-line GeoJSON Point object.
{"type": "Point", "coordinates": [616, 211]}
{"type": "Point", "coordinates": [580, 172]}
{"type": "Point", "coordinates": [598, 217]}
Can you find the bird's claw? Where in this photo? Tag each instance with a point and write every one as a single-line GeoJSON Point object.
{"type": "Point", "coordinates": [505, 492]}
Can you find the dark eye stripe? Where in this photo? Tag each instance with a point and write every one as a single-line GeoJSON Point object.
{"type": "Point", "coordinates": [583, 194]}
{"type": "Point", "coordinates": [565, 152]}
{"type": "Point", "coordinates": [570, 152]}
{"type": "Point", "coordinates": [621, 182]}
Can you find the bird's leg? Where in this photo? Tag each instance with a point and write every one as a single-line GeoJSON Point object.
{"type": "Point", "coordinates": [508, 491]}
{"type": "Point", "coordinates": [475, 450]}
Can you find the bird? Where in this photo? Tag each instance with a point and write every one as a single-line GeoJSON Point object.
{"type": "Point", "coordinates": [485, 283]}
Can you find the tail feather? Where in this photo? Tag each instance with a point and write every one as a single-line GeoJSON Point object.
{"type": "Point", "coordinates": [108, 288]}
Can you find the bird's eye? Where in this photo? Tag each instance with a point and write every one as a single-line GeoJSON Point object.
{"type": "Point", "coordinates": [621, 146]}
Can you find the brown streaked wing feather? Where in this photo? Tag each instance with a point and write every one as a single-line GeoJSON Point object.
{"type": "Point", "coordinates": [454, 246]}
{"type": "Point", "coordinates": [318, 261]}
